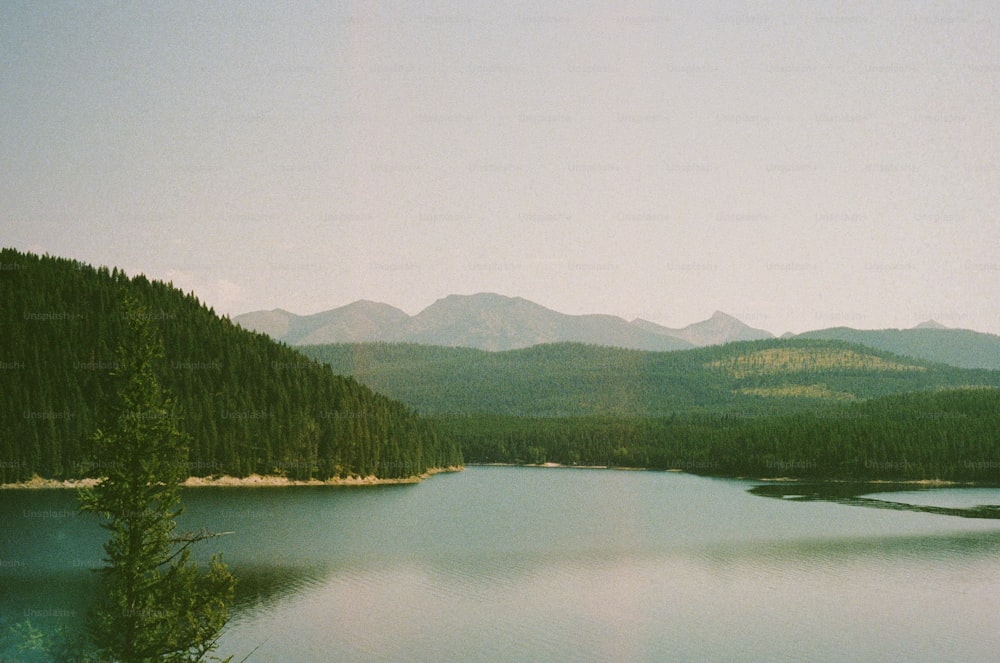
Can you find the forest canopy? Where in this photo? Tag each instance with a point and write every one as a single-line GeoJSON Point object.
{"type": "Point", "coordinates": [250, 405]}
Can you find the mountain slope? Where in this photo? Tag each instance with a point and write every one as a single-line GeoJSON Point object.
{"type": "Point", "coordinates": [489, 321]}
{"type": "Point", "coordinates": [249, 404]}
{"type": "Point", "coordinates": [720, 328]}
{"type": "Point", "coordinates": [277, 323]}
{"type": "Point", "coordinates": [956, 347]}
{"type": "Point", "coordinates": [568, 379]}
{"type": "Point", "coordinates": [361, 321]}
{"type": "Point", "coordinates": [494, 322]}
{"type": "Point", "coordinates": [357, 322]}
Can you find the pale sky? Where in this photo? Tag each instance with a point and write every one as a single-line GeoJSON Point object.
{"type": "Point", "coordinates": [799, 165]}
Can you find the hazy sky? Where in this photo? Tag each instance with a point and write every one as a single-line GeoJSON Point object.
{"type": "Point", "coordinates": [799, 165]}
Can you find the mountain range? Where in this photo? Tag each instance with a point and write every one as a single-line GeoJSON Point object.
{"type": "Point", "coordinates": [489, 321]}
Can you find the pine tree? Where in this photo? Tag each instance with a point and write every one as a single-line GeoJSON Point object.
{"type": "Point", "coordinates": [156, 604]}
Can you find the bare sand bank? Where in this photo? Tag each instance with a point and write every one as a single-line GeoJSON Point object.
{"type": "Point", "coordinates": [252, 481]}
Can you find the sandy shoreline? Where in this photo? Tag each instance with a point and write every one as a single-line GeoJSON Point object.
{"type": "Point", "coordinates": [252, 481]}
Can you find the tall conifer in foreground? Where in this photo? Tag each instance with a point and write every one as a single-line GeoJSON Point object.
{"type": "Point", "coordinates": [156, 604]}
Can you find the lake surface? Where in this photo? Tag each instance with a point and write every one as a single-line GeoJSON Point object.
{"type": "Point", "coordinates": [527, 564]}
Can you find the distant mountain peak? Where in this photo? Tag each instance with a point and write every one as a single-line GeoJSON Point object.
{"type": "Point", "coordinates": [481, 297]}
{"type": "Point", "coordinates": [720, 328]}
{"type": "Point", "coordinates": [930, 324]}
{"type": "Point", "coordinates": [490, 321]}
{"type": "Point", "coordinates": [722, 316]}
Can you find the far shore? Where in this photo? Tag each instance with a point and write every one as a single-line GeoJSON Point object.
{"type": "Point", "coordinates": [916, 482]}
{"type": "Point", "coordinates": [932, 483]}
{"type": "Point", "coordinates": [274, 481]}
{"type": "Point", "coordinates": [252, 481]}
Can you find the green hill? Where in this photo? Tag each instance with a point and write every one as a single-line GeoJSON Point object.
{"type": "Point", "coordinates": [957, 347]}
{"type": "Point", "coordinates": [249, 404]}
{"type": "Point", "coordinates": [751, 378]}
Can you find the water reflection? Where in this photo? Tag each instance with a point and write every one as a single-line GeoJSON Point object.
{"type": "Point", "coordinates": [534, 564]}
{"type": "Point", "coordinates": [858, 494]}
{"type": "Point", "coordinates": [817, 599]}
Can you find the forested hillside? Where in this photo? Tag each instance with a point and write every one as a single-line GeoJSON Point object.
{"type": "Point", "coordinates": [948, 435]}
{"type": "Point", "coordinates": [798, 407]}
{"type": "Point", "coordinates": [957, 347]}
{"type": "Point", "coordinates": [574, 380]}
{"type": "Point", "coordinates": [249, 404]}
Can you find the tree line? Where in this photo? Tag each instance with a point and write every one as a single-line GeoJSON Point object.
{"type": "Point", "coordinates": [948, 435]}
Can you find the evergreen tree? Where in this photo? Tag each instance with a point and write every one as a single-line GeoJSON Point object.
{"type": "Point", "coordinates": [156, 603]}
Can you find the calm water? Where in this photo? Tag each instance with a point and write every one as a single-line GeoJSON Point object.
{"type": "Point", "coordinates": [527, 564]}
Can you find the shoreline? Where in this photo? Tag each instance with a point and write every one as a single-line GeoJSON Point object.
{"type": "Point", "coordinates": [930, 483]}
{"type": "Point", "coordinates": [571, 467]}
{"type": "Point", "coordinates": [941, 483]}
{"type": "Point", "coordinates": [275, 481]}
{"type": "Point", "coordinates": [252, 481]}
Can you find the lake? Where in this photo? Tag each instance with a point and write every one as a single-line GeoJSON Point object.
{"type": "Point", "coordinates": [556, 564]}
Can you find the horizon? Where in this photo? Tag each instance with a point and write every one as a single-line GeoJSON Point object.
{"type": "Point", "coordinates": [797, 167]}
{"type": "Point", "coordinates": [629, 320]}
{"type": "Point", "coordinates": [681, 325]}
